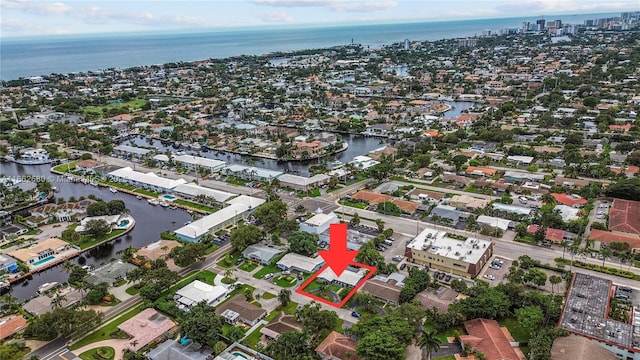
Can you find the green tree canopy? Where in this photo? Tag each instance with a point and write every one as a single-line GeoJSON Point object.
{"type": "Point", "coordinates": [245, 235]}
{"type": "Point", "coordinates": [202, 325]}
{"type": "Point", "coordinates": [301, 242]}
{"type": "Point", "coordinates": [272, 214]}
{"type": "Point", "coordinates": [188, 254]}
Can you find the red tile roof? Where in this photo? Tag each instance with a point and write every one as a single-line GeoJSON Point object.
{"type": "Point", "coordinates": [568, 200]}
{"type": "Point", "coordinates": [554, 235]}
{"type": "Point", "coordinates": [11, 324]}
{"type": "Point", "coordinates": [488, 337]}
{"type": "Point", "coordinates": [408, 207]}
{"type": "Point", "coordinates": [371, 197]}
{"type": "Point", "coordinates": [624, 216]}
{"type": "Point", "coordinates": [336, 345]}
{"type": "Point", "coordinates": [613, 236]}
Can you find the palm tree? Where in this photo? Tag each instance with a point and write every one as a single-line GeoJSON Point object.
{"type": "Point", "coordinates": [284, 297]}
{"type": "Point", "coordinates": [428, 342]}
{"type": "Point", "coordinates": [56, 302]}
{"type": "Point", "coordinates": [67, 266]}
{"type": "Point", "coordinates": [8, 301]}
{"type": "Point", "coordinates": [554, 280]}
{"type": "Point", "coordinates": [606, 253]}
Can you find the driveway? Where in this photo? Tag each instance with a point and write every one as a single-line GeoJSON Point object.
{"type": "Point", "coordinates": [117, 344]}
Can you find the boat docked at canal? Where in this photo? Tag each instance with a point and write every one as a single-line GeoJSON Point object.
{"type": "Point", "coordinates": [153, 201]}
{"type": "Point", "coordinates": [46, 286]}
{"type": "Point", "coordinates": [33, 157]}
{"type": "Point", "coordinates": [113, 190]}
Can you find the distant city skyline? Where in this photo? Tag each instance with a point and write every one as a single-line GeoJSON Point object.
{"type": "Point", "coordinates": [21, 18]}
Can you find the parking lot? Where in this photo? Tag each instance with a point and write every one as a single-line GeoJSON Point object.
{"type": "Point", "coordinates": [497, 272]}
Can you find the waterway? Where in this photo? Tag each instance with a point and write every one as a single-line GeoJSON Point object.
{"type": "Point", "coordinates": [150, 222]}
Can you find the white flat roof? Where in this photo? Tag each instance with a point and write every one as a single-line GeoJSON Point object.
{"type": "Point", "coordinates": [246, 200]}
{"type": "Point", "coordinates": [500, 223]}
{"type": "Point", "coordinates": [198, 291]}
{"type": "Point", "coordinates": [302, 180]}
{"type": "Point", "coordinates": [300, 261]}
{"type": "Point", "coordinates": [321, 219]}
{"type": "Point", "coordinates": [260, 172]}
{"type": "Point", "coordinates": [205, 224]}
{"type": "Point", "coordinates": [195, 190]}
{"type": "Point", "coordinates": [348, 277]}
{"type": "Point", "coordinates": [436, 242]}
{"type": "Point", "coordinates": [147, 178]}
{"type": "Point", "coordinates": [198, 160]}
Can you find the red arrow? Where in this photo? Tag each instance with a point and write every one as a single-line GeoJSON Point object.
{"type": "Point", "coordinates": [338, 257]}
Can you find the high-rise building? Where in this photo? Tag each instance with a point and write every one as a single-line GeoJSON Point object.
{"type": "Point", "coordinates": [406, 44]}
{"type": "Point", "coordinates": [540, 25]}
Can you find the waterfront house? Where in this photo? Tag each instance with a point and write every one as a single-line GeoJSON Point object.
{"type": "Point", "coordinates": [8, 264]}
{"type": "Point", "coordinates": [42, 252]}
{"type": "Point", "coordinates": [192, 191]}
{"type": "Point", "coordinates": [110, 273]}
{"type": "Point", "coordinates": [130, 152]}
{"type": "Point", "coordinates": [149, 181]}
{"type": "Point", "coordinates": [251, 173]}
{"type": "Point", "coordinates": [87, 166]}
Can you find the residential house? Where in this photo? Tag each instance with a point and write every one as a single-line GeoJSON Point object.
{"type": "Point", "coordinates": [385, 288]}
{"type": "Point", "coordinates": [432, 197]}
{"type": "Point", "coordinates": [602, 238]}
{"type": "Point", "coordinates": [480, 171]}
{"type": "Point", "coordinates": [146, 327]}
{"type": "Point", "coordinates": [489, 338]}
{"type": "Point", "coordinates": [467, 202]}
{"type": "Point", "coordinates": [261, 253]}
{"type": "Point", "coordinates": [438, 299]}
{"type": "Point", "coordinates": [12, 324]}
{"type": "Point", "coordinates": [624, 216]}
{"type": "Point", "coordinates": [569, 200]}
{"type": "Point", "coordinates": [87, 166]}
{"type": "Point", "coordinates": [300, 263]}
{"type": "Point", "coordinates": [574, 347]}
{"type": "Point", "coordinates": [149, 181]}
{"type": "Point", "coordinates": [337, 347]}
{"type": "Point", "coordinates": [238, 310]}
{"type": "Point", "coordinates": [43, 251]}
{"type": "Point", "coordinates": [197, 291]}
{"type": "Point", "coordinates": [8, 264]}
{"type": "Point", "coordinates": [303, 183]}
{"type": "Point", "coordinates": [349, 277]}
{"type": "Point", "coordinates": [110, 273]}
{"type": "Point", "coordinates": [446, 213]}
{"type": "Point", "coordinates": [174, 350]}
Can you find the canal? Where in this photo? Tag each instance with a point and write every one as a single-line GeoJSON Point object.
{"type": "Point", "coordinates": [150, 222]}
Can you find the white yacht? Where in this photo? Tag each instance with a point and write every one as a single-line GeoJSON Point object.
{"type": "Point", "coordinates": [34, 157]}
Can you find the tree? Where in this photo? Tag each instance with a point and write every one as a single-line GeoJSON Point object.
{"type": "Point", "coordinates": [458, 161]}
{"type": "Point", "coordinates": [316, 321]}
{"type": "Point", "coordinates": [116, 207]}
{"type": "Point", "coordinates": [606, 253]}
{"type": "Point", "coordinates": [63, 322]}
{"type": "Point", "coordinates": [535, 276]}
{"type": "Point", "coordinates": [484, 302]}
{"type": "Point", "coordinates": [97, 228]}
{"type": "Point", "coordinates": [379, 346]}
{"type": "Point", "coordinates": [554, 280]}
{"type": "Point", "coordinates": [530, 318]}
{"type": "Point", "coordinates": [235, 333]}
{"type": "Point", "coordinates": [355, 219]}
{"type": "Point", "coordinates": [628, 189]}
{"type": "Point", "coordinates": [272, 214]}
{"type": "Point", "coordinates": [291, 345]}
{"type": "Point", "coordinates": [77, 275]}
{"type": "Point", "coordinates": [284, 296]}
{"type": "Point", "coordinates": [380, 225]}
{"type": "Point", "coordinates": [388, 208]}
{"type": "Point", "coordinates": [302, 242]}
{"type": "Point", "coordinates": [201, 324]}
{"type": "Point", "coordinates": [633, 158]}
{"type": "Point", "coordinates": [188, 254]}
{"type": "Point", "coordinates": [245, 235]}
{"type": "Point", "coordinates": [97, 208]}
{"type": "Point", "coordinates": [428, 342]}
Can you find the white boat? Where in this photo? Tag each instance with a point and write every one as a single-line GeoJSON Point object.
{"type": "Point", "coordinates": [164, 204]}
{"type": "Point", "coordinates": [46, 286]}
{"type": "Point", "coordinates": [113, 190]}
{"type": "Point", "coordinates": [173, 207]}
{"type": "Point", "coordinates": [153, 201]}
{"type": "Point", "coordinates": [34, 157]}
{"type": "Point", "coordinates": [139, 197]}
{"type": "Point", "coordinates": [93, 183]}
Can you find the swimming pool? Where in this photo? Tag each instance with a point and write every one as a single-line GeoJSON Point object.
{"type": "Point", "coordinates": [240, 355]}
{"type": "Point", "coordinates": [123, 223]}
{"type": "Point", "coordinates": [168, 197]}
{"type": "Point", "coordinates": [40, 262]}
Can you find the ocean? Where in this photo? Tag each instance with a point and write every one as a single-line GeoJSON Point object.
{"type": "Point", "coordinates": [66, 54]}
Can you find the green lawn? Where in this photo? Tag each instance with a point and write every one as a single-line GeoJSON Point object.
{"type": "Point", "coordinates": [87, 241]}
{"type": "Point", "coordinates": [315, 193]}
{"type": "Point", "coordinates": [253, 338]}
{"type": "Point", "coordinates": [103, 333]}
{"type": "Point", "coordinates": [229, 259]}
{"type": "Point", "coordinates": [205, 208]}
{"type": "Point", "coordinates": [118, 185]}
{"type": "Point", "coordinates": [272, 269]}
{"type": "Point", "coordinates": [63, 168]}
{"type": "Point", "coordinates": [268, 296]}
{"type": "Point", "coordinates": [329, 191]}
{"type": "Point", "coordinates": [442, 336]}
{"type": "Point", "coordinates": [103, 352]}
{"type": "Point", "coordinates": [354, 204]}
{"type": "Point", "coordinates": [132, 290]}
{"type": "Point", "coordinates": [248, 266]}
{"type": "Point", "coordinates": [132, 105]}
{"type": "Point", "coordinates": [285, 281]}
{"type": "Point", "coordinates": [272, 315]}
{"type": "Point", "coordinates": [517, 331]}
{"type": "Point", "coordinates": [290, 309]}
{"type": "Point", "coordinates": [446, 357]}
{"type": "Point", "coordinates": [153, 194]}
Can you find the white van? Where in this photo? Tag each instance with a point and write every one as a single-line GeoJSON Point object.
{"type": "Point", "coordinates": [522, 199]}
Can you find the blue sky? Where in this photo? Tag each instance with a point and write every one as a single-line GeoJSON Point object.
{"type": "Point", "coordinates": [47, 17]}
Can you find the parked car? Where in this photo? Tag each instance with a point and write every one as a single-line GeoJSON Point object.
{"type": "Point", "coordinates": [239, 261]}
{"type": "Point", "coordinates": [286, 272]}
{"type": "Point", "coordinates": [268, 276]}
{"type": "Point", "coordinates": [403, 266]}
{"type": "Point", "coordinates": [494, 266]}
{"type": "Point", "coordinates": [447, 278]}
{"type": "Point", "coordinates": [397, 258]}
{"type": "Point", "coordinates": [356, 314]}
{"type": "Point", "coordinates": [489, 277]}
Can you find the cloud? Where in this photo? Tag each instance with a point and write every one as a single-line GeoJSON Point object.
{"type": "Point", "coordinates": [99, 15]}
{"type": "Point", "coordinates": [333, 5]}
{"type": "Point", "coordinates": [275, 17]}
{"type": "Point", "coordinates": [563, 6]}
